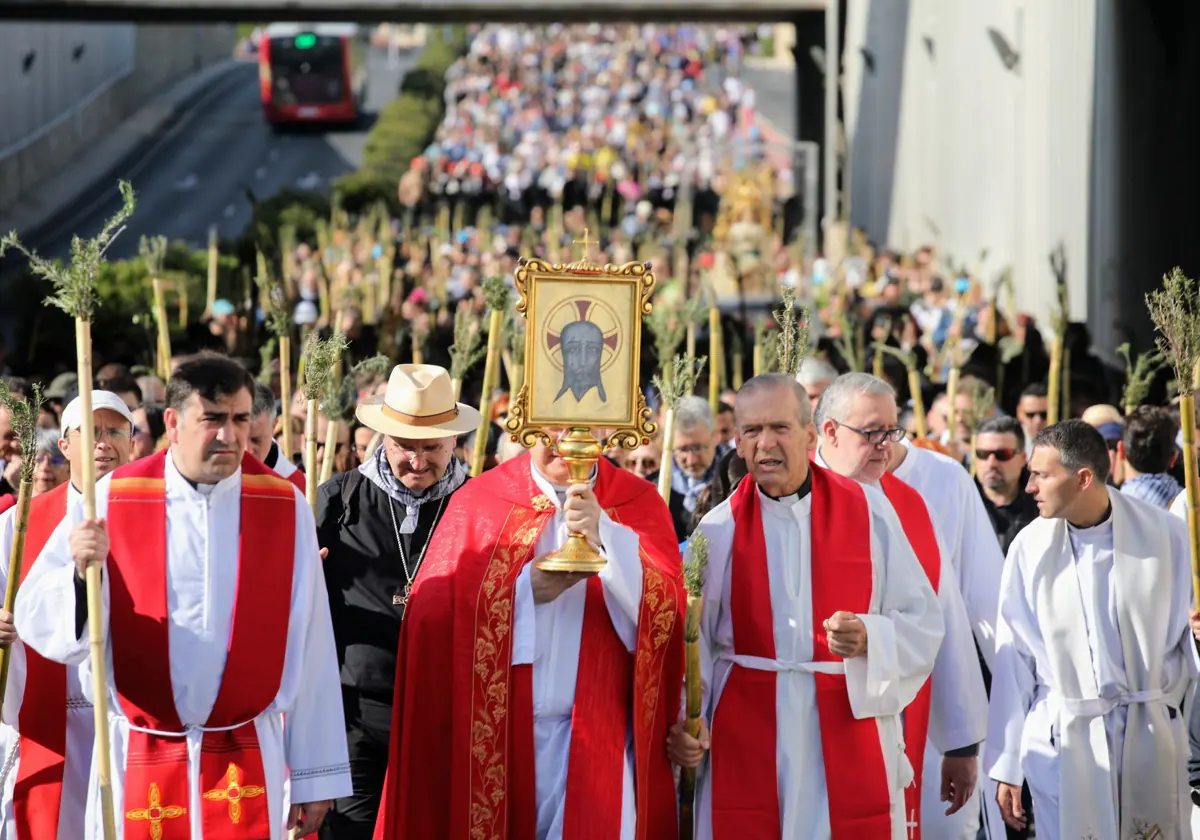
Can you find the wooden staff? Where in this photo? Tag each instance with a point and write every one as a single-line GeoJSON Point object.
{"type": "Point", "coordinates": [320, 356]}
{"type": "Point", "coordinates": [496, 292]}
{"type": "Point", "coordinates": [1175, 310]}
{"type": "Point", "coordinates": [1061, 317]}
{"type": "Point", "coordinates": [214, 256]}
{"type": "Point", "coordinates": [715, 347]}
{"type": "Point", "coordinates": [75, 294]}
{"type": "Point", "coordinates": [693, 679]}
{"type": "Point", "coordinates": [23, 419]}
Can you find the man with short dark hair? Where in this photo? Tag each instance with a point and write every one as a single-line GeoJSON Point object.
{"type": "Point", "coordinates": [1146, 453]}
{"type": "Point", "coordinates": [1033, 408]}
{"type": "Point", "coordinates": [216, 624]}
{"type": "Point", "coordinates": [725, 432]}
{"type": "Point", "coordinates": [1093, 654]}
{"type": "Point", "coordinates": [1001, 477]}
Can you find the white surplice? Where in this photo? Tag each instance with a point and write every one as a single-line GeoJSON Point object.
{"type": "Point", "coordinates": [81, 729]}
{"type": "Point", "coordinates": [958, 512]}
{"type": "Point", "coordinates": [202, 557]}
{"type": "Point", "coordinates": [904, 633]}
{"type": "Point", "coordinates": [548, 636]}
{"type": "Point", "coordinates": [1094, 658]}
{"type": "Point", "coordinates": [958, 701]}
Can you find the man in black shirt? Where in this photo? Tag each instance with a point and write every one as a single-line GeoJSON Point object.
{"type": "Point", "coordinates": [1001, 475]}
{"type": "Point", "coordinates": [374, 524]}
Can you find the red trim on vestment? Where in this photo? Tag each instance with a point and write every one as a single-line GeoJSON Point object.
{"type": "Point", "coordinates": [462, 611]}
{"type": "Point", "coordinates": [745, 799]}
{"type": "Point", "coordinates": [37, 795]}
{"type": "Point", "coordinates": [233, 792]}
{"type": "Point", "coordinates": [918, 527]}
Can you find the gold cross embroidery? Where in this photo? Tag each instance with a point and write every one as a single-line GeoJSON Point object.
{"type": "Point", "coordinates": [155, 812]}
{"type": "Point", "coordinates": [586, 243]}
{"type": "Point", "coordinates": [234, 792]}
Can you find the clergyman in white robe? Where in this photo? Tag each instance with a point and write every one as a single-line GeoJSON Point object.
{"type": "Point", "coordinates": [1094, 659]}
{"type": "Point", "coordinates": [81, 730]}
{"type": "Point", "coordinates": [308, 751]}
{"type": "Point", "coordinates": [904, 617]}
{"type": "Point", "coordinates": [957, 704]}
{"type": "Point", "coordinates": [548, 636]}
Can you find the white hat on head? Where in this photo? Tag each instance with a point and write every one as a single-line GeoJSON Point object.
{"type": "Point", "coordinates": [72, 416]}
{"type": "Point", "coordinates": [419, 404]}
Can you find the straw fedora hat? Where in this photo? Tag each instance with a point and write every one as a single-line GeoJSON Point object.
{"type": "Point", "coordinates": [418, 404]}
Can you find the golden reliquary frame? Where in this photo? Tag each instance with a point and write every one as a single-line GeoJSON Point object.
{"type": "Point", "coordinates": [614, 299]}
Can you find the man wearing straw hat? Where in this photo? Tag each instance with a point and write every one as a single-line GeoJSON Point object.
{"type": "Point", "coordinates": [48, 721]}
{"type": "Point", "coordinates": [533, 705]}
{"type": "Point", "coordinates": [223, 690]}
{"type": "Point", "coordinates": [375, 525]}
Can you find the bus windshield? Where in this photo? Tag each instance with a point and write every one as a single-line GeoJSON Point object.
{"type": "Point", "coordinates": [307, 69]}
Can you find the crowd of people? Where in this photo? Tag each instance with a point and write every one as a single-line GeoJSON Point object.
{"type": "Point", "coordinates": [971, 620]}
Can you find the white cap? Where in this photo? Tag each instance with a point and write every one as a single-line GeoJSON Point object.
{"type": "Point", "coordinates": [71, 418]}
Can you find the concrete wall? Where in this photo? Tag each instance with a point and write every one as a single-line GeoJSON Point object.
{"type": "Point", "coordinates": [61, 105]}
{"type": "Point", "coordinates": [953, 148]}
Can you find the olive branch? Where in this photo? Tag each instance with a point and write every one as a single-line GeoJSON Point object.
{"type": "Point", "coordinates": [681, 379]}
{"type": "Point", "coordinates": [697, 564]}
{"type": "Point", "coordinates": [792, 341]}
{"type": "Point", "coordinates": [153, 250]}
{"type": "Point", "coordinates": [338, 402]}
{"type": "Point", "coordinates": [1139, 375]}
{"type": "Point", "coordinates": [468, 349]}
{"type": "Point", "coordinates": [22, 416]}
{"type": "Point", "coordinates": [75, 283]}
{"type": "Point", "coordinates": [320, 356]}
{"type": "Point", "coordinates": [1175, 311]}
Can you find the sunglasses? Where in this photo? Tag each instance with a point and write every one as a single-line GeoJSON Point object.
{"type": "Point", "coordinates": [1001, 455]}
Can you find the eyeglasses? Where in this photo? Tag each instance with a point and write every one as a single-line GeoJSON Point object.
{"type": "Point", "coordinates": [56, 459]}
{"type": "Point", "coordinates": [1001, 455]}
{"type": "Point", "coordinates": [691, 449]}
{"type": "Point", "coordinates": [111, 434]}
{"type": "Point", "coordinates": [876, 437]}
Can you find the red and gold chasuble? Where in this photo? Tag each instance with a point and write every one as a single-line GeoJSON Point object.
{"type": "Point", "coordinates": [37, 796]}
{"type": "Point", "coordinates": [233, 796]}
{"type": "Point", "coordinates": [745, 782]}
{"type": "Point", "coordinates": [462, 762]}
{"type": "Point", "coordinates": [918, 527]}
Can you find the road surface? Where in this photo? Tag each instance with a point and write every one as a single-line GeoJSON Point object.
{"type": "Point", "coordinates": [195, 174]}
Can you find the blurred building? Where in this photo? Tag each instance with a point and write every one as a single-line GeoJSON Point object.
{"type": "Point", "coordinates": [1016, 125]}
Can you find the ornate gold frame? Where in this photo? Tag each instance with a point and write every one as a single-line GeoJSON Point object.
{"type": "Point", "coordinates": [637, 428]}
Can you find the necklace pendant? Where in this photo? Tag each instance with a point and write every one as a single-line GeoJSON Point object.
{"type": "Point", "coordinates": [402, 600]}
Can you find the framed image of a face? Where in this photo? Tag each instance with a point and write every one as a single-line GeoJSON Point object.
{"type": "Point", "coordinates": [582, 346]}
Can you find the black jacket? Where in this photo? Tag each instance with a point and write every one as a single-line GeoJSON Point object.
{"type": "Point", "coordinates": [1007, 521]}
{"type": "Point", "coordinates": [365, 576]}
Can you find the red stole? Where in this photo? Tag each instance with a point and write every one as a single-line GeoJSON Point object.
{"type": "Point", "coordinates": [296, 477]}
{"type": "Point", "coordinates": [918, 527]}
{"type": "Point", "coordinates": [37, 797]}
{"type": "Point", "coordinates": [745, 798]}
{"type": "Point", "coordinates": [232, 784]}
{"type": "Point", "coordinates": [456, 686]}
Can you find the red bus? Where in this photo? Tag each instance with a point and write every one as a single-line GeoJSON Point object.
{"type": "Point", "coordinates": [311, 74]}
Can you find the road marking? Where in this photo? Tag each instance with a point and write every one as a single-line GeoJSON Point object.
{"type": "Point", "coordinates": [230, 211]}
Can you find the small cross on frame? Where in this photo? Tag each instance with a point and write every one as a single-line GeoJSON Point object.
{"type": "Point", "coordinates": [586, 243]}
{"type": "Point", "coordinates": [912, 825]}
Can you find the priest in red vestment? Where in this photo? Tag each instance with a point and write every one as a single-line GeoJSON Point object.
{"type": "Point", "coordinates": [531, 705]}
{"type": "Point", "coordinates": [819, 628]}
{"type": "Point", "coordinates": [48, 722]}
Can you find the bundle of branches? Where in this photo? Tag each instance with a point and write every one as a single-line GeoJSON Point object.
{"type": "Point", "coordinates": [320, 356]}
{"type": "Point", "coordinates": [908, 358]}
{"type": "Point", "coordinates": [468, 347]}
{"type": "Point", "coordinates": [766, 354]}
{"type": "Point", "coordinates": [693, 577]}
{"type": "Point", "coordinates": [340, 400]}
{"type": "Point", "coordinates": [670, 320]}
{"type": "Point", "coordinates": [154, 251]}
{"type": "Point", "coordinates": [75, 293]}
{"type": "Point", "coordinates": [22, 417]}
{"type": "Point", "coordinates": [983, 399]}
{"type": "Point", "coordinates": [1139, 375]}
{"type": "Point", "coordinates": [791, 341]}
{"type": "Point", "coordinates": [266, 355]}
{"type": "Point", "coordinates": [278, 321]}
{"type": "Point", "coordinates": [1175, 310]}
{"type": "Point", "coordinates": [495, 290]}
{"type": "Point", "coordinates": [679, 382]}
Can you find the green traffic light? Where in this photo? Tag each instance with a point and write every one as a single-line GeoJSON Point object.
{"type": "Point", "coordinates": [306, 41]}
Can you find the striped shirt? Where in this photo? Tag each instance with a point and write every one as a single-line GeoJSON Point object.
{"type": "Point", "coordinates": [1158, 489]}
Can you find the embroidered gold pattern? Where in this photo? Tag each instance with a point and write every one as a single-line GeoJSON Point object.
{"type": "Point", "coordinates": [542, 504]}
{"type": "Point", "coordinates": [155, 812]}
{"type": "Point", "coordinates": [234, 792]}
{"type": "Point", "coordinates": [492, 664]}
